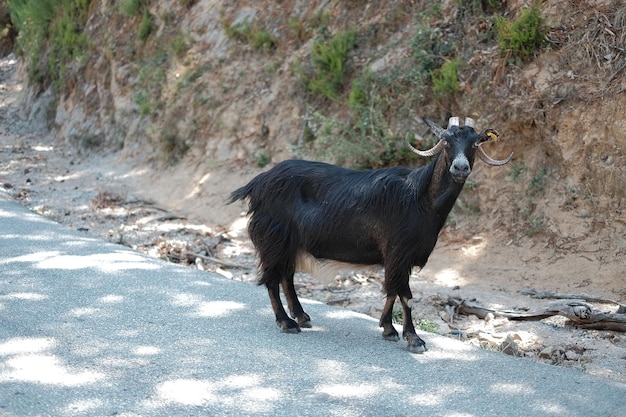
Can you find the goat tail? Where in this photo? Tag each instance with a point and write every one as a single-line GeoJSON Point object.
{"type": "Point", "coordinates": [239, 194]}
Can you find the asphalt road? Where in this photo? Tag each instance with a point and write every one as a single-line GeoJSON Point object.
{"type": "Point", "coordinates": [88, 328]}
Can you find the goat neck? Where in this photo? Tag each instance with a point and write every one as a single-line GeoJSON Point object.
{"type": "Point", "coordinates": [442, 189]}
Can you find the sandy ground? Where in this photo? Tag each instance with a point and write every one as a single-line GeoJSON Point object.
{"type": "Point", "coordinates": [178, 213]}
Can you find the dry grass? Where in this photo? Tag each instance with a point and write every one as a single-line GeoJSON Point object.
{"type": "Point", "coordinates": [593, 50]}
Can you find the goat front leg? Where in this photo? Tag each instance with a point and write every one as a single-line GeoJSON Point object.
{"type": "Point", "coordinates": [386, 320]}
{"type": "Point", "coordinates": [415, 343]}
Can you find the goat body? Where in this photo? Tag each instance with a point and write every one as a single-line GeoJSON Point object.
{"type": "Point", "coordinates": [389, 217]}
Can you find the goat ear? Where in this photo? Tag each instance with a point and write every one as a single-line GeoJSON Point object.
{"type": "Point", "coordinates": [488, 135]}
{"type": "Point", "coordinates": [434, 127]}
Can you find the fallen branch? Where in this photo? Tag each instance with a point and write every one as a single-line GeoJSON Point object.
{"type": "Point", "coordinates": [588, 298]}
{"type": "Point", "coordinates": [579, 312]}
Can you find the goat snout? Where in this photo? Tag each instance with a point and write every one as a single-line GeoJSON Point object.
{"type": "Point", "coordinates": [460, 168]}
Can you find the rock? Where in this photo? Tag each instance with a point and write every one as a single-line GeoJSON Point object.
{"type": "Point", "coordinates": [509, 346]}
{"type": "Point", "coordinates": [546, 353]}
{"type": "Point", "coordinates": [570, 355]}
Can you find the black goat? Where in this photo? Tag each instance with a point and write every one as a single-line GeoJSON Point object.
{"type": "Point", "coordinates": [391, 217]}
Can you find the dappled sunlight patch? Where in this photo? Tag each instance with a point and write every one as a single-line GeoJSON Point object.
{"type": "Point", "coordinates": [306, 301]}
{"type": "Point", "coordinates": [186, 299]}
{"type": "Point", "coordinates": [42, 148]}
{"type": "Point", "coordinates": [475, 248]}
{"type": "Point", "coordinates": [19, 345]}
{"type": "Point", "coordinates": [204, 308]}
{"type": "Point", "coordinates": [32, 257]}
{"type": "Point", "coordinates": [106, 262]}
{"type": "Point", "coordinates": [443, 348]}
{"type": "Point", "coordinates": [32, 238]}
{"type": "Point", "coordinates": [512, 389]}
{"type": "Point", "coordinates": [201, 283]}
{"type": "Point", "coordinates": [550, 408]}
{"type": "Point", "coordinates": [67, 176]}
{"type": "Point", "coordinates": [32, 296]}
{"type": "Point", "coordinates": [349, 390]}
{"type": "Point", "coordinates": [428, 399]}
{"type": "Point", "coordinates": [449, 278]}
{"type": "Point", "coordinates": [187, 392]}
{"type": "Point", "coordinates": [83, 311]}
{"type": "Point", "coordinates": [30, 216]}
{"type": "Point", "coordinates": [146, 350]}
{"type": "Point", "coordinates": [236, 391]}
{"type": "Point", "coordinates": [440, 395]}
{"type": "Point", "coordinates": [217, 308]}
{"type": "Point", "coordinates": [346, 314]}
{"type": "Point", "coordinates": [197, 189]}
{"type": "Point", "coordinates": [111, 299]}
{"type": "Point", "coordinates": [331, 368]}
{"type": "Point", "coordinates": [239, 226]}
{"type": "Point", "coordinates": [46, 369]}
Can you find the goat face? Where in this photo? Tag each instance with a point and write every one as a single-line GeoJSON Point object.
{"type": "Point", "coordinates": [459, 145]}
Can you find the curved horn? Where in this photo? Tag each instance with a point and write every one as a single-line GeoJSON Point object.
{"type": "Point", "coordinates": [490, 161]}
{"type": "Point", "coordinates": [470, 122]}
{"type": "Point", "coordinates": [429, 152]}
{"type": "Point", "coordinates": [434, 127]}
{"type": "Point", "coordinates": [453, 121]}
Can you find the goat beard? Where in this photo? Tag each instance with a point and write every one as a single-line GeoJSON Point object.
{"type": "Point", "coordinates": [459, 179]}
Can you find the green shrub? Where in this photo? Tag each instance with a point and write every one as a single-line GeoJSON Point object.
{"type": "Point", "coordinates": [146, 26]}
{"type": "Point", "coordinates": [445, 79]}
{"type": "Point", "coordinates": [258, 38]}
{"type": "Point", "coordinates": [365, 140]}
{"type": "Point", "coordinates": [358, 93]}
{"type": "Point", "coordinates": [131, 7]}
{"type": "Point", "coordinates": [476, 7]}
{"type": "Point", "coordinates": [238, 31]}
{"type": "Point", "coordinates": [50, 37]}
{"type": "Point", "coordinates": [173, 148]}
{"type": "Point", "coordinates": [329, 61]}
{"type": "Point", "coordinates": [521, 37]}
{"type": "Point", "coordinates": [180, 45]}
{"type": "Point", "coordinates": [142, 100]}
{"type": "Point", "coordinates": [263, 40]}
{"type": "Point", "coordinates": [263, 158]}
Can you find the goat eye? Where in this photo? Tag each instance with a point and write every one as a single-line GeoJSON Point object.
{"type": "Point", "coordinates": [476, 144]}
{"type": "Point", "coordinates": [446, 144]}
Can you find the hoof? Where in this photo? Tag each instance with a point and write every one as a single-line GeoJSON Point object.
{"type": "Point", "coordinates": [389, 333]}
{"type": "Point", "coordinates": [391, 337]}
{"type": "Point", "coordinates": [417, 348]}
{"type": "Point", "coordinates": [288, 326]}
{"type": "Point", "coordinates": [415, 344]}
{"type": "Point", "coordinates": [304, 321]}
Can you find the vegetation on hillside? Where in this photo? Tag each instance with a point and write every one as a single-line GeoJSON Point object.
{"type": "Point", "coordinates": [355, 78]}
{"type": "Point", "coordinates": [51, 38]}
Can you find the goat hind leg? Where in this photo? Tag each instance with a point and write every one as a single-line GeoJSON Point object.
{"type": "Point", "coordinates": [283, 321]}
{"type": "Point", "coordinates": [386, 320]}
{"type": "Point", "coordinates": [295, 308]}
